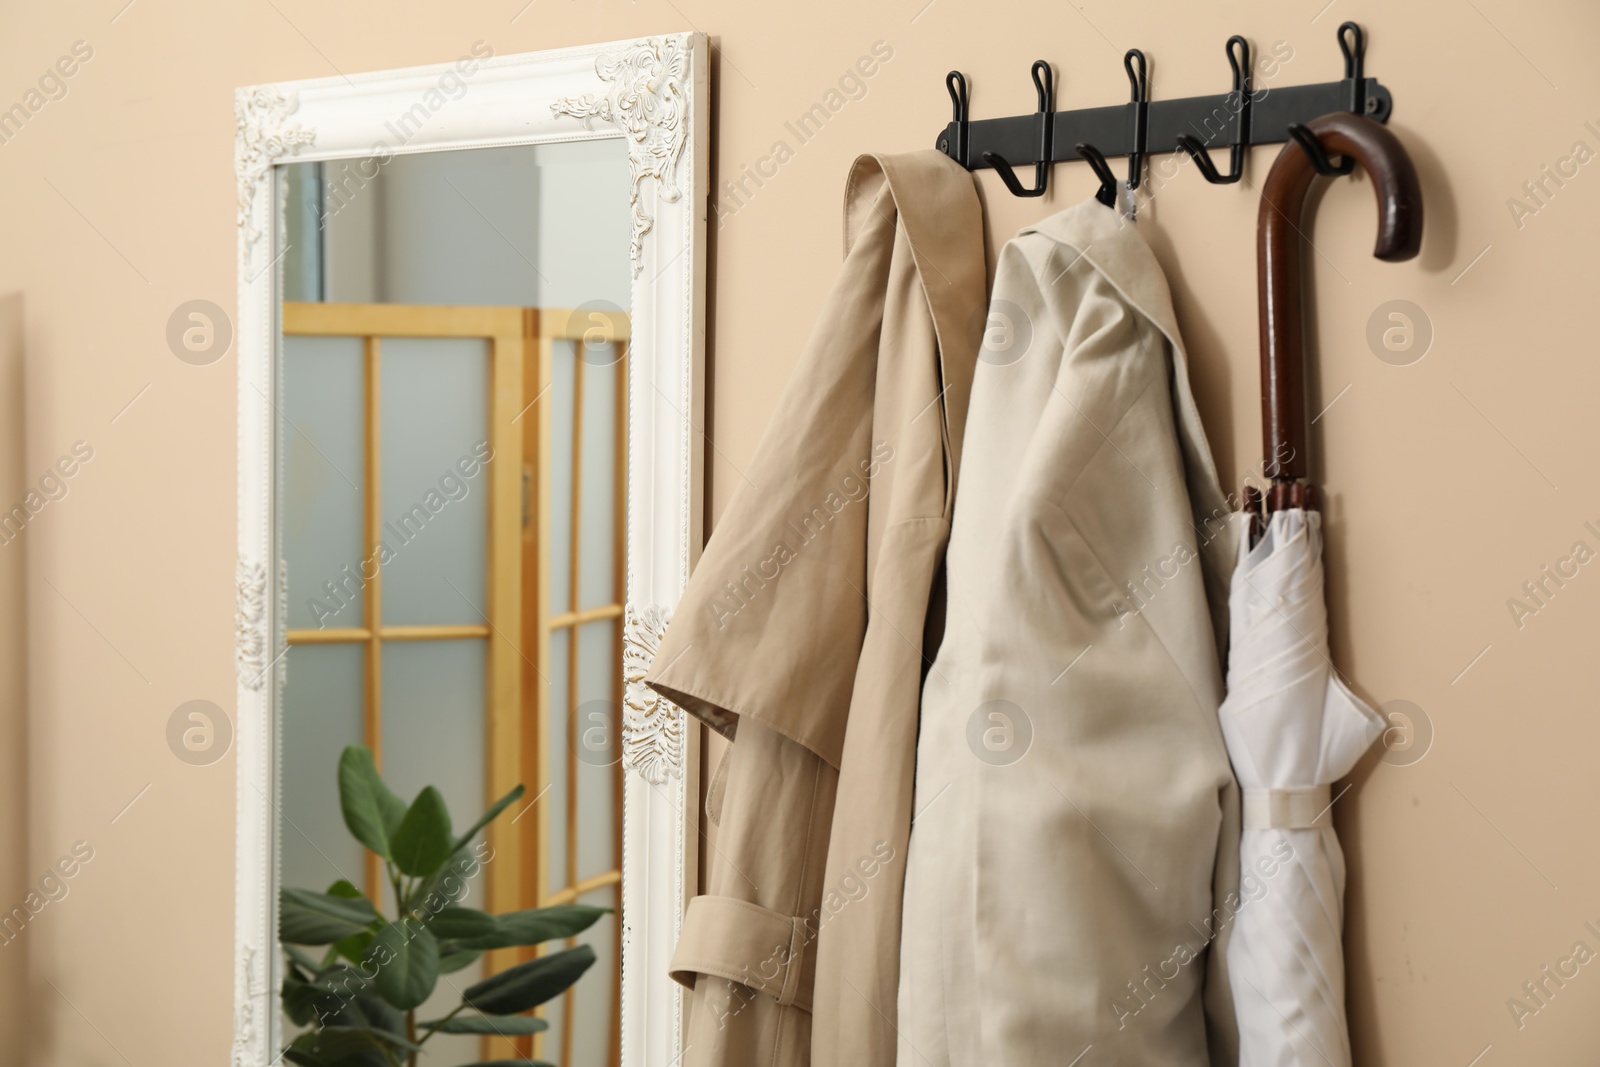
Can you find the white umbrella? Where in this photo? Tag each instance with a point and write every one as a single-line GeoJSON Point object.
{"type": "Point", "coordinates": [1291, 726]}
{"type": "Point", "coordinates": [1292, 729]}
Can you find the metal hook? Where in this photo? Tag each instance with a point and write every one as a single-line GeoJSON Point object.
{"type": "Point", "coordinates": [1140, 86]}
{"type": "Point", "coordinates": [1044, 86]}
{"type": "Point", "coordinates": [1107, 193]}
{"type": "Point", "coordinates": [1355, 54]}
{"type": "Point", "coordinates": [1241, 89]}
{"type": "Point", "coordinates": [1317, 154]}
{"type": "Point", "coordinates": [956, 84]}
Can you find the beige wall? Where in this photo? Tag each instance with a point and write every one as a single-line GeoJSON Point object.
{"type": "Point", "coordinates": [1450, 482]}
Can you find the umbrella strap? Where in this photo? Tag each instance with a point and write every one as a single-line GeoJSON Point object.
{"type": "Point", "coordinates": [1303, 808]}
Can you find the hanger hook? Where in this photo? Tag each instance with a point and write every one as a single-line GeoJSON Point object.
{"type": "Point", "coordinates": [956, 84]}
{"type": "Point", "coordinates": [1240, 62]}
{"type": "Point", "coordinates": [1107, 193]}
{"type": "Point", "coordinates": [1139, 90]}
{"type": "Point", "coordinates": [1317, 154]}
{"type": "Point", "coordinates": [1044, 86]}
{"type": "Point", "coordinates": [1238, 52]}
{"type": "Point", "coordinates": [1353, 43]}
{"type": "Point", "coordinates": [1137, 81]}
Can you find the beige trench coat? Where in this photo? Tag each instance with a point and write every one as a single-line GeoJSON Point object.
{"type": "Point", "coordinates": [801, 634]}
{"type": "Point", "coordinates": [1072, 870]}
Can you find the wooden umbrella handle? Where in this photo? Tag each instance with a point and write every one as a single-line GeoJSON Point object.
{"type": "Point", "coordinates": [1278, 273]}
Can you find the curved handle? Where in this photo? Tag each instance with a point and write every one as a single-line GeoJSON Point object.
{"type": "Point", "coordinates": [1278, 271]}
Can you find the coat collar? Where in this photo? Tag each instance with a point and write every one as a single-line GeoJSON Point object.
{"type": "Point", "coordinates": [937, 208]}
{"type": "Point", "coordinates": [1116, 249]}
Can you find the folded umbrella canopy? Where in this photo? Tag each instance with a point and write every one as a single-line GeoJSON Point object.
{"type": "Point", "coordinates": [1292, 729]}
{"type": "Point", "coordinates": [1291, 725]}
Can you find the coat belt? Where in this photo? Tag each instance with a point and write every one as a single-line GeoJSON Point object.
{"type": "Point", "coordinates": [745, 943]}
{"type": "Point", "coordinates": [1304, 808]}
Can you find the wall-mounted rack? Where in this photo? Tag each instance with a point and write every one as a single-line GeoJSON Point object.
{"type": "Point", "coordinates": [1241, 117]}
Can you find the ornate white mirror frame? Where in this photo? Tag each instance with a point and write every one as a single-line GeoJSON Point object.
{"type": "Point", "coordinates": [653, 92]}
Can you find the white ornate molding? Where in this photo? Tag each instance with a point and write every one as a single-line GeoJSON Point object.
{"type": "Point", "coordinates": [653, 727]}
{"type": "Point", "coordinates": [646, 101]}
{"type": "Point", "coordinates": [264, 135]}
{"type": "Point", "coordinates": [250, 623]}
{"type": "Point", "coordinates": [280, 632]}
{"type": "Point", "coordinates": [249, 991]}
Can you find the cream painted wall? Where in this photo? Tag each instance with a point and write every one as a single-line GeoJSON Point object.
{"type": "Point", "coordinates": [1450, 482]}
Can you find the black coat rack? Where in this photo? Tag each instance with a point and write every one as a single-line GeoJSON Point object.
{"type": "Point", "coordinates": [1236, 119]}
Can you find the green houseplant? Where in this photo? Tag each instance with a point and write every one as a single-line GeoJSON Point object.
{"type": "Point", "coordinates": [360, 997]}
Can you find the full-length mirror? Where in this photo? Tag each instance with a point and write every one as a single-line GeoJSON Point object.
{"type": "Point", "coordinates": [450, 316]}
{"type": "Point", "coordinates": [476, 460]}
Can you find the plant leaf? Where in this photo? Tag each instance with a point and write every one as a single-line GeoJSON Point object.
{"type": "Point", "coordinates": [480, 930]}
{"type": "Point", "coordinates": [354, 948]}
{"type": "Point", "coordinates": [462, 924]}
{"type": "Point", "coordinates": [307, 918]}
{"type": "Point", "coordinates": [407, 960]}
{"type": "Point", "coordinates": [543, 923]}
{"type": "Point", "coordinates": [298, 997]}
{"type": "Point", "coordinates": [453, 959]}
{"type": "Point", "coordinates": [336, 1041]}
{"type": "Point", "coordinates": [299, 959]}
{"type": "Point", "coordinates": [530, 984]}
{"type": "Point", "coordinates": [346, 998]}
{"type": "Point", "coordinates": [488, 817]}
{"type": "Point", "coordinates": [371, 810]}
{"type": "Point", "coordinates": [296, 1052]}
{"type": "Point", "coordinates": [423, 842]}
{"type": "Point", "coordinates": [434, 892]}
{"type": "Point", "coordinates": [505, 1025]}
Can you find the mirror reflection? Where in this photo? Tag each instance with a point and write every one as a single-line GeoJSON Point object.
{"type": "Point", "coordinates": [452, 457]}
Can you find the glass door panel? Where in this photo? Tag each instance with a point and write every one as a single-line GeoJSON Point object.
{"type": "Point", "coordinates": [435, 413]}
{"type": "Point", "coordinates": [324, 478]}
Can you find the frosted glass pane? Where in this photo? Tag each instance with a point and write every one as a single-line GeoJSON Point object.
{"type": "Point", "coordinates": [435, 489]}
{"type": "Point", "coordinates": [554, 800]}
{"type": "Point", "coordinates": [548, 1043]}
{"type": "Point", "coordinates": [462, 227]}
{"type": "Point", "coordinates": [560, 468]}
{"type": "Point", "coordinates": [321, 715]}
{"type": "Point", "coordinates": [322, 436]}
{"type": "Point", "coordinates": [524, 225]}
{"type": "Point", "coordinates": [593, 996]}
{"type": "Point", "coordinates": [583, 221]}
{"type": "Point", "coordinates": [302, 217]}
{"type": "Point", "coordinates": [599, 748]}
{"type": "Point", "coordinates": [597, 493]}
{"type": "Point", "coordinates": [434, 705]}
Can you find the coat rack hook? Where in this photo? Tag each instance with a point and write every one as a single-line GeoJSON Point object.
{"type": "Point", "coordinates": [1319, 155]}
{"type": "Point", "coordinates": [1140, 99]}
{"type": "Point", "coordinates": [1238, 52]}
{"type": "Point", "coordinates": [1353, 43]}
{"type": "Point", "coordinates": [1107, 193]}
{"type": "Point", "coordinates": [1044, 87]}
{"type": "Point", "coordinates": [956, 83]}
